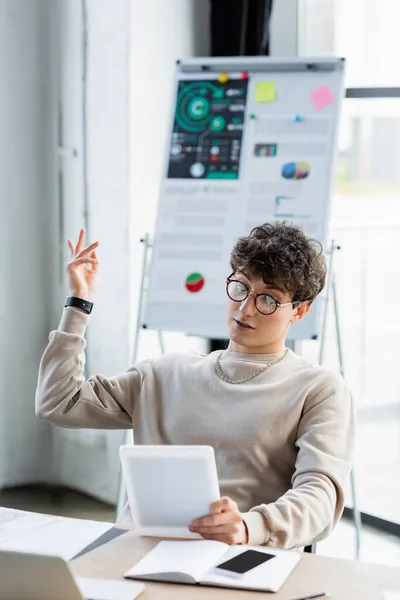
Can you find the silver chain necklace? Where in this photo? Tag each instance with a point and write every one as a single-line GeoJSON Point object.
{"type": "Point", "coordinates": [221, 375]}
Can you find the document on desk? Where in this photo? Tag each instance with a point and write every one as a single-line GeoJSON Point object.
{"type": "Point", "coordinates": [108, 589]}
{"type": "Point", "coordinates": [17, 522]}
{"type": "Point", "coordinates": [46, 534]}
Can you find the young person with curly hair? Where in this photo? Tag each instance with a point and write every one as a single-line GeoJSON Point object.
{"type": "Point", "coordinates": [282, 427]}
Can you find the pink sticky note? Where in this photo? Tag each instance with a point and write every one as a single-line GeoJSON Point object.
{"type": "Point", "coordinates": [322, 97]}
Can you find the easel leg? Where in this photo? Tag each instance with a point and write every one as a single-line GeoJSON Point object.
{"type": "Point", "coordinates": [326, 301]}
{"type": "Point", "coordinates": [128, 437]}
{"type": "Point", "coordinates": [129, 440]}
{"type": "Point", "coordinates": [356, 512]}
{"type": "Point", "coordinates": [161, 342]}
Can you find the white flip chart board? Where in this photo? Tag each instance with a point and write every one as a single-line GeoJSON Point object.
{"type": "Point", "coordinates": [252, 140]}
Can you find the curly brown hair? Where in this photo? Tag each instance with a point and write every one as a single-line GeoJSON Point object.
{"type": "Point", "coordinates": [285, 257]}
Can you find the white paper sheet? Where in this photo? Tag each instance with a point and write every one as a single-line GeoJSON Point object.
{"type": "Point", "coordinates": [17, 522]}
{"type": "Point", "coordinates": [108, 589]}
{"type": "Point", "coordinates": [45, 534]}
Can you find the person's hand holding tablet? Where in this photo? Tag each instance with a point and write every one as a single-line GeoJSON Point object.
{"type": "Point", "coordinates": [223, 524]}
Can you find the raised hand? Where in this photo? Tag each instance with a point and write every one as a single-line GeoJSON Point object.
{"type": "Point", "coordinates": [82, 269]}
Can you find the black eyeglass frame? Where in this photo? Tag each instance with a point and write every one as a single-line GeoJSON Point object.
{"type": "Point", "coordinates": [250, 293]}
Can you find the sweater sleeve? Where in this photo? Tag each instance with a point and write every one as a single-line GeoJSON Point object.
{"type": "Point", "coordinates": [311, 508]}
{"type": "Point", "coordinates": [65, 398]}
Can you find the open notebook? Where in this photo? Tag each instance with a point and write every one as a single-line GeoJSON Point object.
{"type": "Point", "coordinates": [193, 562]}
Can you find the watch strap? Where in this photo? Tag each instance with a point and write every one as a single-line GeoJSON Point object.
{"type": "Point", "coordinates": [76, 302]}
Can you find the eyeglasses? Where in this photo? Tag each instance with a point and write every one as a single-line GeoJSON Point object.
{"type": "Point", "coordinates": [265, 304]}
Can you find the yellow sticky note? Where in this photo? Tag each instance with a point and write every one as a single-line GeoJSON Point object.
{"type": "Point", "coordinates": [265, 91]}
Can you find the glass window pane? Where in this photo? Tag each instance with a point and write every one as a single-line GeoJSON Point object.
{"type": "Point", "coordinates": [365, 32]}
{"type": "Point", "coordinates": [367, 182]}
{"type": "Point", "coordinates": [366, 224]}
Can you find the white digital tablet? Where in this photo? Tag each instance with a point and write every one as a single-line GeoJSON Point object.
{"type": "Point", "coordinates": [168, 487]}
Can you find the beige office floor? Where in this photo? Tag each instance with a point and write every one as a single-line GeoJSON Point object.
{"type": "Point", "coordinates": [375, 546]}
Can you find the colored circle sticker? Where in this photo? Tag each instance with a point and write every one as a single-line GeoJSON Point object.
{"type": "Point", "coordinates": [194, 282]}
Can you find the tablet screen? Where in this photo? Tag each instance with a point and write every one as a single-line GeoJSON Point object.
{"type": "Point", "coordinates": [169, 486]}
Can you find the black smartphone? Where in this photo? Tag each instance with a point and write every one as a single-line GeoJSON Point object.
{"type": "Point", "coordinates": [244, 562]}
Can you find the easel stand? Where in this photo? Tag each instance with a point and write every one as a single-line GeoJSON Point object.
{"type": "Point", "coordinates": [330, 290]}
{"type": "Point", "coordinates": [128, 438]}
{"type": "Point", "coordinates": [331, 293]}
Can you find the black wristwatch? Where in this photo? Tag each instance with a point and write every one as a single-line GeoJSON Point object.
{"type": "Point", "coordinates": [84, 305]}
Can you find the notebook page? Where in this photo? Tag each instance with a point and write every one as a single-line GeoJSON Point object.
{"type": "Point", "coordinates": [190, 557]}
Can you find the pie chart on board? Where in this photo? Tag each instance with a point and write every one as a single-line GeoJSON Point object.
{"type": "Point", "coordinates": [295, 170]}
{"type": "Point", "coordinates": [194, 282]}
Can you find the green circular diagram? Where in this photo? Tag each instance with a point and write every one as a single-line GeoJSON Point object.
{"type": "Point", "coordinates": [207, 130]}
{"type": "Point", "coordinates": [199, 108]}
{"type": "Point", "coordinates": [193, 109]}
{"type": "Point", "coordinates": [218, 124]}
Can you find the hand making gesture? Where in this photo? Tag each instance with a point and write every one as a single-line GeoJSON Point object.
{"type": "Point", "coordinates": [82, 269]}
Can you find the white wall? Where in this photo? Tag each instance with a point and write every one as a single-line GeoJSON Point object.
{"type": "Point", "coordinates": [94, 87]}
{"type": "Point", "coordinates": [24, 152]}
{"type": "Point", "coordinates": [41, 66]}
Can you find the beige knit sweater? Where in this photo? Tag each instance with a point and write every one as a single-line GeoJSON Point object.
{"type": "Point", "coordinates": [283, 441]}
